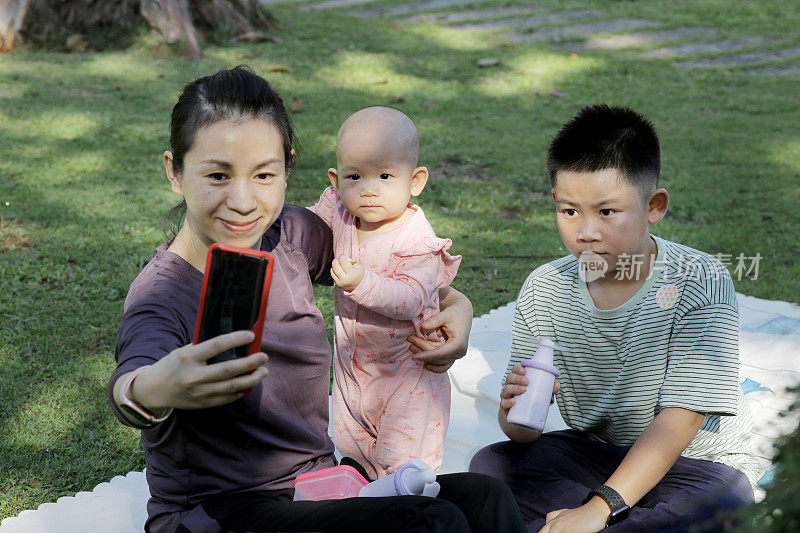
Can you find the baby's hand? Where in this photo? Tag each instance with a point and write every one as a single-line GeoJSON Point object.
{"type": "Point", "coordinates": [346, 273]}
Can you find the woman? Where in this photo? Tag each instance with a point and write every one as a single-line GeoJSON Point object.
{"type": "Point", "coordinates": [220, 458]}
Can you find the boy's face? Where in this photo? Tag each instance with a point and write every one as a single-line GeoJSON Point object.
{"type": "Point", "coordinates": [374, 176]}
{"type": "Point", "coordinates": [601, 216]}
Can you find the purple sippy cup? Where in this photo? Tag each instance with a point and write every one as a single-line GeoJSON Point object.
{"type": "Point", "coordinates": [530, 408]}
{"type": "Point", "coordinates": [415, 478]}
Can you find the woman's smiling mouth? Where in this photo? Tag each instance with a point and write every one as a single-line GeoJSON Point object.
{"type": "Point", "coordinates": [239, 227]}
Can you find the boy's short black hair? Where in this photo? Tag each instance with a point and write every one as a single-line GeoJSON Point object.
{"type": "Point", "coordinates": [601, 137]}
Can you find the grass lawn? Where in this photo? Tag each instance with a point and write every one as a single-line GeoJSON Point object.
{"type": "Point", "coordinates": [82, 187]}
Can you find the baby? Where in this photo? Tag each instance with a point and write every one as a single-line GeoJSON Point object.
{"type": "Point", "coordinates": [388, 268]}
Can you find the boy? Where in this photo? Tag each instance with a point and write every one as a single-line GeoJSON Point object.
{"type": "Point", "coordinates": [649, 374]}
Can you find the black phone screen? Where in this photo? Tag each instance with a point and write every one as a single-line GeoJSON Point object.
{"type": "Point", "coordinates": [232, 298]}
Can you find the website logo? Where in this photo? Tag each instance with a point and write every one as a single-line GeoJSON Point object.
{"type": "Point", "coordinates": [591, 267]}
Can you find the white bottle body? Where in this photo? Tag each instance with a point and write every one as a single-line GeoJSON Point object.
{"type": "Point", "coordinates": [530, 408]}
{"type": "Point", "coordinates": [384, 486]}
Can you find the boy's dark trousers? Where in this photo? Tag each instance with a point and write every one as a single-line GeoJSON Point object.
{"type": "Point", "coordinates": [558, 470]}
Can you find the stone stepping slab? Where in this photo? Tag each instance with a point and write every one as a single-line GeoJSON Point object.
{"type": "Point", "coordinates": [532, 22]}
{"type": "Point", "coordinates": [333, 4]}
{"type": "Point", "coordinates": [473, 14]}
{"type": "Point", "coordinates": [410, 7]}
{"type": "Point", "coordinates": [581, 30]}
{"type": "Point", "coordinates": [728, 45]}
{"type": "Point", "coordinates": [632, 40]}
{"type": "Point", "coordinates": [779, 70]}
{"type": "Point", "coordinates": [751, 58]}
{"type": "Point", "coordinates": [275, 2]}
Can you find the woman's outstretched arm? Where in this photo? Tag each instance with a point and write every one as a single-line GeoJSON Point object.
{"type": "Point", "coordinates": [183, 380]}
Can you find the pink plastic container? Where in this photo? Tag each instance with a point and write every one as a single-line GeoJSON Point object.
{"type": "Point", "coordinates": [329, 484]}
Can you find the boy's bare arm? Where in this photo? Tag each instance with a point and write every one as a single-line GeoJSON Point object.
{"type": "Point", "coordinates": [646, 463]}
{"type": "Point", "coordinates": [654, 452]}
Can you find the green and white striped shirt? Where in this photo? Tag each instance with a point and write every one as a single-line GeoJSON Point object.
{"type": "Point", "coordinates": [675, 343]}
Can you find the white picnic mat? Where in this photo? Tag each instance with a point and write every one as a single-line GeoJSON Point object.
{"type": "Point", "coordinates": [770, 363]}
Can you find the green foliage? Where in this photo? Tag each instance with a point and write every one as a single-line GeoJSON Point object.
{"type": "Point", "coordinates": [82, 187]}
{"type": "Point", "coordinates": [779, 512]}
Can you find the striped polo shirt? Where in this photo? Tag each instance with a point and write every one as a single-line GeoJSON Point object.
{"type": "Point", "coordinates": [675, 343]}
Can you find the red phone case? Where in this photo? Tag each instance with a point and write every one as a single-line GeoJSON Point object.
{"type": "Point", "coordinates": [258, 327]}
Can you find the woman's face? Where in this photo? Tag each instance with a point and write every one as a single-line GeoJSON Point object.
{"type": "Point", "coordinates": [233, 180]}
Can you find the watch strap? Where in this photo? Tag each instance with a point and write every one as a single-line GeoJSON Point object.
{"type": "Point", "coordinates": [612, 497]}
{"type": "Point", "coordinates": [619, 509]}
{"type": "Point", "coordinates": [141, 414]}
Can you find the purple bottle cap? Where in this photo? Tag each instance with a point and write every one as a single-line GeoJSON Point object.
{"type": "Point", "coordinates": [398, 479]}
{"type": "Point", "coordinates": [541, 366]}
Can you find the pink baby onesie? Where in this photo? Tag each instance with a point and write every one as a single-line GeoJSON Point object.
{"type": "Point", "coordinates": [387, 408]}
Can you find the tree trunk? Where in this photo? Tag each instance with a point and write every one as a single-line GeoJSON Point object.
{"type": "Point", "coordinates": [179, 21]}
{"type": "Point", "coordinates": [12, 13]}
{"type": "Point", "coordinates": [238, 18]}
{"type": "Point", "coordinates": [174, 20]}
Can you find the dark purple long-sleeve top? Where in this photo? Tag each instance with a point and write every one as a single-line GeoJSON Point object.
{"type": "Point", "coordinates": [269, 436]}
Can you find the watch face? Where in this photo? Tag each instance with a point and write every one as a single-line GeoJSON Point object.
{"type": "Point", "coordinates": [618, 516]}
{"type": "Point", "coordinates": [137, 416]}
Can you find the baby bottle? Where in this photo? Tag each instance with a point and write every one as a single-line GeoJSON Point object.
{"type": "Point", "coordinates": [415, 478]}
{"type": "Point", "coordinates": [530, 408]}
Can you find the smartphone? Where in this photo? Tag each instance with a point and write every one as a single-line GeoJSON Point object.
{"type": "Point", "coordinates": [234, 296]}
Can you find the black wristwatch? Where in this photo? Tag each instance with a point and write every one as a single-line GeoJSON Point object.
{"type": "Point", "coordinates": [619, 509]}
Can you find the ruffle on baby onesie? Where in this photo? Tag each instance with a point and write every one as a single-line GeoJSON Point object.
{"type": "Point", "coordinates": [431, 245]}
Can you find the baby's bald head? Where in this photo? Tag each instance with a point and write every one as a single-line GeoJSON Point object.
{"type": "Point", "coordinates": [376, 158]}
{"type": "Point", "coordinates": [390, 131]}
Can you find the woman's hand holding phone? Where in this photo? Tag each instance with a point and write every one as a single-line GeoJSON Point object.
{"type": "Point", "coordinates": [184, 380]}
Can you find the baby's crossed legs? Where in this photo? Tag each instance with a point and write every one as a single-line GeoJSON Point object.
{"type": "Point", "coordinates": [412, 424]}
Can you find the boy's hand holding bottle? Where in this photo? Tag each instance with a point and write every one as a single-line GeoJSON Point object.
{"type": "Point", "coordinates": [516, 384]}
{"type": "Point", "coordinates": [525, 399]}
{"type": "Point", "coordinates": [346, 273]}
